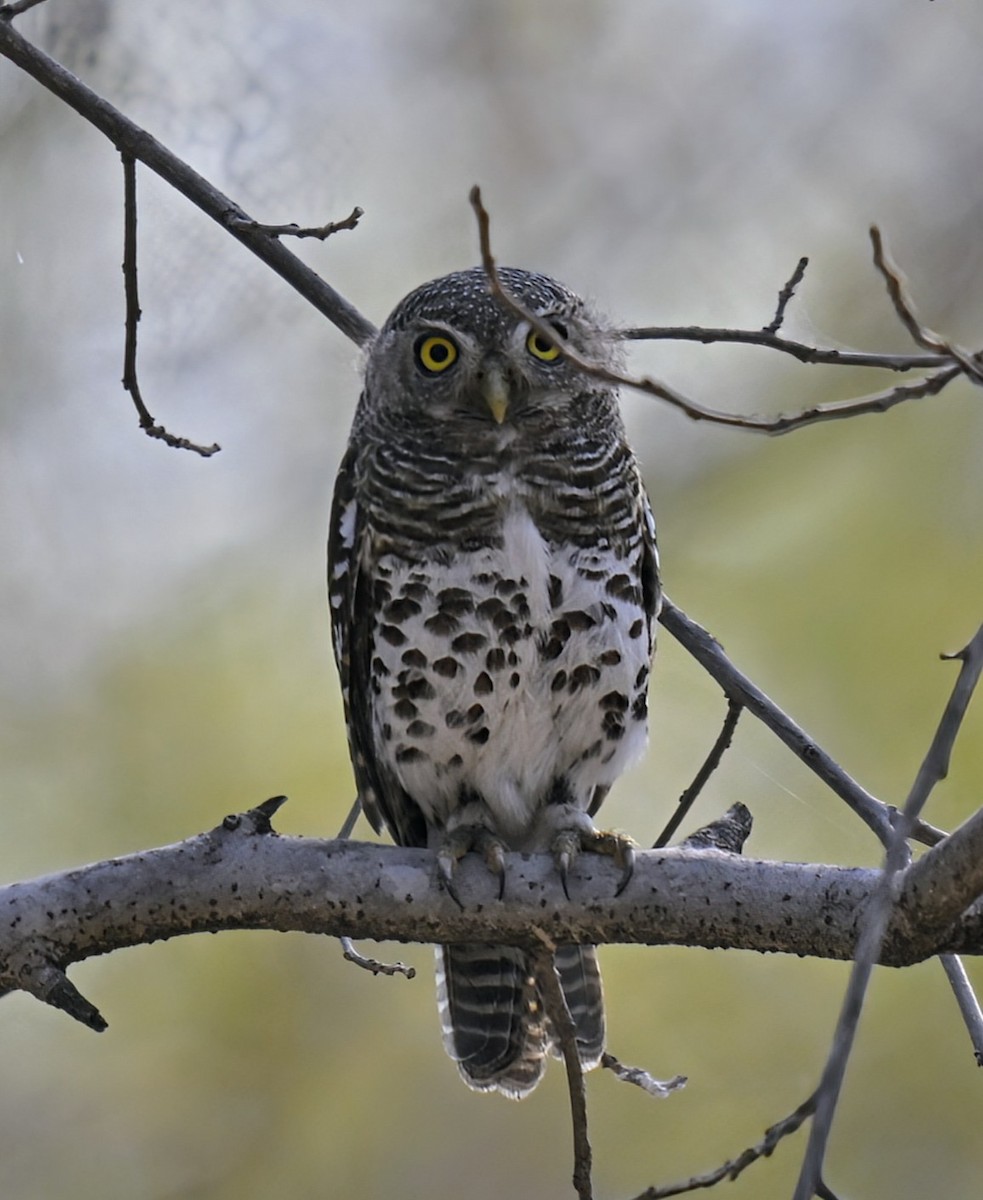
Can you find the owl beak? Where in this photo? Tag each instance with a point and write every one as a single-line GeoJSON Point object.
{"type": "Point", "coordinates": [495, 390]}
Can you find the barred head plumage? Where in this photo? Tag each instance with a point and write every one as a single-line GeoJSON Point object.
{"type": "Point", "coordinates": [450, 343]}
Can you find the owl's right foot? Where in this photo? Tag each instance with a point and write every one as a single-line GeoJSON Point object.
{"type": "Point", "coordinates": [459, 841]}
{"type": "Point", "coordinates": [569, 842]}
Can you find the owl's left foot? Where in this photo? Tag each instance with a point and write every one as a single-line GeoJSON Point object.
{"type": "Point", "coordinates": [570, 842]}
{"type": "Point", "coordinates": [458, 842]}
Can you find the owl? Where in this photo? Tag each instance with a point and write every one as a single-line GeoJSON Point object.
{"type": "Point", "coordinates": [493, 582]}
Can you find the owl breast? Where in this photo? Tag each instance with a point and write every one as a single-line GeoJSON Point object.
{"type": "Point", "coordinates": [514, 674]}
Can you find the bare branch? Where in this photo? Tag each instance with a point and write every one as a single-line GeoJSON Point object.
{"type": "Point", "coordinates": [944, 881]}
{"type": "Point", "coordinates": [542, 952]}
{"type": "Point", "coordinates": [878, 914]}
{"type": "Point", "coordinates": [969, 1005]}
{"type": "Point", "coordinates": [903, 306]}
{"type": "Point", "coordinates": [738, 688]}
{"type": "Point", "coordinates": [131, 138]}
{"type": "Point", "coordinates": [659, 1088]}
{"type": "Point", "coordinates": [243, 876]}
{"type": "Point", "coordinates": [373, 964]}
{"type": "Point", "coordinates": [785, 295]}
{"type": "Point", "coordinates": [130, 383]}
{"type": "Point", "coordinates": [688, 798]}
{"type": "Point", "coordinates": [810, 355]}
{"type": "Point", "coordinates": [877, 402]}
{"type": "Point", "coordinates": [321, 232]}
{"type": "Point", "coordinates": [735, 1166]}
{"type": "Point", "coordinates": [348, 948]}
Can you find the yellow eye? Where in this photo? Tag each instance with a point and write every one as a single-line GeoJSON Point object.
{"type": "Point", "coordinates": [435, 353]}
{"type": "Point", "coordinates": [541, 347]}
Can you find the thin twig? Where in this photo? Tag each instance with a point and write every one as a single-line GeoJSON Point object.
{"type": "Point", "coordinates": [878, 912]}
{"type": "Point", "coordinates": [878, 402]}
{"type": "Point", "coordinates": [688, 798]}
{"type": "Point", "coordinates": [542, 953]}
{"type": "Point", "coordinates": [734, 1166]}
{"type": "Point", "coordinates": [801, 351]}
{"type": "Point", "coordinates": [373, 964]}
{"type": "Point", "coordinates": [905, 309]}
{"type": "Point", "coordinates": [736, 686]}
{"type": "Point", "coordinates": [785, 295]}
{"type": "Point", "coordinates": [321, 232]}
{"type": "Point", "coordinates": [350, 821]}
{"type": "Point", "coordinates": [348, 950]}
{"type": "Point", "coordinates": [130, 382]}
{"type": "Point", "coordinates": [659, 1088]}
{"type": "Point", "coordinates": [969, 1006]}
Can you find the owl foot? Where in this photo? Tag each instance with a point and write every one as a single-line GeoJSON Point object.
{"type": "Point", "coordinates": [568, 844]}
{"type": "Point", "coordinates": [455, 844]}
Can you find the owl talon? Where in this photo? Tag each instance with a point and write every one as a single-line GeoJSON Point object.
{"type": "Point", "coordinates": [457, 843]}
{"type": "Point", "coordinates": [627, 857]}
{"type": "Point", "coordinates": [569, 843]}
{"type": "Point", "coordinates": [566, 848]}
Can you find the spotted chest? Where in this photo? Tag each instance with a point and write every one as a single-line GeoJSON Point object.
{"type": "Point", "coordinates": [515, 675]}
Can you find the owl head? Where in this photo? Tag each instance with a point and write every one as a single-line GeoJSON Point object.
{"type": "Point", "coordinates": [451, 352]}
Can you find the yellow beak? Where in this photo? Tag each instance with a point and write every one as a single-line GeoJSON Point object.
{"type": "Point", "coordinates": [496, 393]}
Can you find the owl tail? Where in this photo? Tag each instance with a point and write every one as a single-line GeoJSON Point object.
{"type": "Point", "coordinates": [494, 1024]}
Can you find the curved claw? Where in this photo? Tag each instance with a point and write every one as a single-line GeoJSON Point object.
{"type": "Point", "coordinates": [563, 861]}
{"type": "Point", "coordinates": [627, 857]}
{"type": "Point", "coordinates": [566, 847]}
{"type": "Point", "coordinates": [446, 865]}
{"type": "Point", "coordinates": [457, 843]}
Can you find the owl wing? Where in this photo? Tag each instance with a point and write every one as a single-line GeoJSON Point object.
{"type": "Point", "coordinates": [353, 624]}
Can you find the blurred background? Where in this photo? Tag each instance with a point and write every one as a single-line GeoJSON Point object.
{"type": "Point", "coordinates": [163, 633]}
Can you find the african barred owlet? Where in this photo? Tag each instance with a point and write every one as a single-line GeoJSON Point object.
{"type": "Point", "coordinates": [494, 587]}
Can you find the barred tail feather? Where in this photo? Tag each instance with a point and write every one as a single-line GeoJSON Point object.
{"type": "Point", "coordinates": [493, 1021]}
{"type": "Point", "coordinates": [580, 979]}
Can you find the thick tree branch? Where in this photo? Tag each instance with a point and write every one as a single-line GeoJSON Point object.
{"type": "Point", "coordinates": [241, 876]}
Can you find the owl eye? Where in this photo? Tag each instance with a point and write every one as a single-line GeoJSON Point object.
{"type": "Point", "coordinates": [541, 347]}
{"type": "Point", "coordinates": [435, 353]}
